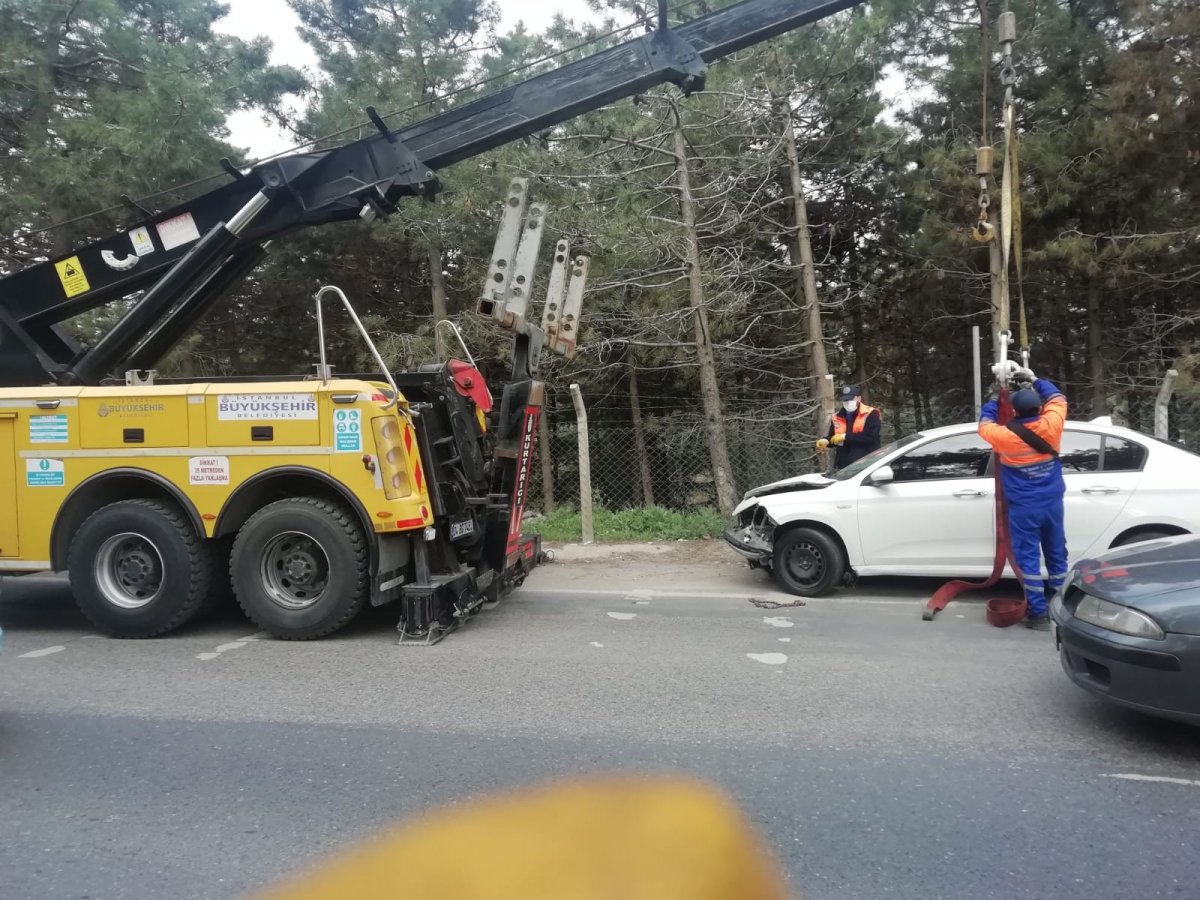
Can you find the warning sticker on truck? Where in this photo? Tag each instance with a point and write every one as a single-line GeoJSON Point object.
{"type": "Point", "coordinates": [208, 470]}
{"type": "Point", "coordinates": [48, 430]}
{"type": "Point", "coordinates": [70, 273]}
{"type": "Point", "coordinates": [347, 431]}
{"type": "Point", "coordinates": [243, 407]}
{"type": "Point", "coordinates": [45, 473]}
{"type": "Point", "coordinates": [177, 231]}
{"type": "Point", "coordinates": [140, 238]}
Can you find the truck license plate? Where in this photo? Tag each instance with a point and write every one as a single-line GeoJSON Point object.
{"type": "Point", "coordinates": [461, 529]}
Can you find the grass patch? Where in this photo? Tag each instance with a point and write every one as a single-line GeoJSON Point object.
{"type": "Point", "coordinates": [652, 523]}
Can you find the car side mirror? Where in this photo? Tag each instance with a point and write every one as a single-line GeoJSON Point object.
{"type": "Point", "coordinates": [881, 476]}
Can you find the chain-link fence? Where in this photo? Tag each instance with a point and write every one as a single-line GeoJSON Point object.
{"type": "Point", "coordinates": [669, 464]}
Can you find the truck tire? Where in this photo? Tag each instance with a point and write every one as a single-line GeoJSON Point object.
{"type": "Point", "coordinates": [138, 568]}
{"type": "Point", "coordinates": [807, 562]}
{"type": "Point", "coordinates": [300, 568]}
{"type": "Point", "coordinates": [220, 593]}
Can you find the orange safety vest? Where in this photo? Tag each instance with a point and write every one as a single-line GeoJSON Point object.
{"type": "Point", "coordinates": [860, 421]}
{"type": "Point", "coordinates": [1013, 451]}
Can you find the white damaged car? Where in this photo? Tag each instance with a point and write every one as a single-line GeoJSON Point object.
{"type": "Point", "coordinates": [925, 505]}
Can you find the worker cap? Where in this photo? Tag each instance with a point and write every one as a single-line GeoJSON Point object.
{"type": "Point", "coordinates": [1026, 403]}
{"type": "Point", "coordinates": [850, 392]}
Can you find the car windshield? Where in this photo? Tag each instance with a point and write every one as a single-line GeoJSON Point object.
{"type": "Point", "coordinates": [873, 457]}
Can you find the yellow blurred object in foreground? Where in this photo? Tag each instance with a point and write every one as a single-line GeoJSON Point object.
{"type": "Point", "coordinates": [618, 839]}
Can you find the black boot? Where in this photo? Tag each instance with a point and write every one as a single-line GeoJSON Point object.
{"type": "Point", "coordinates": [1038, 623]}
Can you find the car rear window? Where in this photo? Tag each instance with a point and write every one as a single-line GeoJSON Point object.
{"type": "Point", "coordinates": [1121, 455]}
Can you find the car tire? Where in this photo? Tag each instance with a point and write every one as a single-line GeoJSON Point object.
{"type": "Point", "coordinates": [300, 568]}
{"type": "Point", "coordinates": [807, 562]}
{"type": "Point", "coordinates": [1149, 534]}
{"type": "Point", "coordinates": [138, 568]}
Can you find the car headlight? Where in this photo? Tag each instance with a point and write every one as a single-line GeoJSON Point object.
{"type": "Point", "coordinates": [1114, 617]}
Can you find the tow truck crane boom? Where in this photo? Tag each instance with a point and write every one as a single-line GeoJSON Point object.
{"type": "Point", "coordinates": [185, 258]}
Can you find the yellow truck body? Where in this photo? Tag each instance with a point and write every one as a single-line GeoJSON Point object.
{"type": "Point", "coordinates": [214, 453]}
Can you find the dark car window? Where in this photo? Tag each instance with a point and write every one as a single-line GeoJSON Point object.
{"type": "Point", "coordinates": [960, 456]}
{"type": "Point", "coordinates": [1121, 455]}
{"type": "Point", "coordinates": [1080, 451]}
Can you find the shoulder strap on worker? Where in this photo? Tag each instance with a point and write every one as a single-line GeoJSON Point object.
{"type": "Point", "coordinates": [1034, 440]}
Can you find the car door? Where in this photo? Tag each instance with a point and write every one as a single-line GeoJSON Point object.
{"type": "Point", "coordinates": [938, 513]}
{"type": "Point", "coordinates": [1101, 472]}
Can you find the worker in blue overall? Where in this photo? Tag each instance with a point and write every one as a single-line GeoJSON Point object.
{"type": "Point", "coordinates": [1032, 477]}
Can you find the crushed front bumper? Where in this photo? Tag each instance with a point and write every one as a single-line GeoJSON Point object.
{"type": "Point", "coordinates": [749, 542]}
{"type": "Point", "coordinates": [753, 535]}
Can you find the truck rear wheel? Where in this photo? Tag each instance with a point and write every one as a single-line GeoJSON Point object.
{"type": "Point", "coordinates": [138, 568]}
{"type": "Point", "coordinates": [300, 568]}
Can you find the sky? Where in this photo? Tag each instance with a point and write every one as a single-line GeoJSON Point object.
{"type": "Point", "coordinates": [275, 20]}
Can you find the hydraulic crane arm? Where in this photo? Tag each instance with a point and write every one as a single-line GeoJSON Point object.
{"type": "Point", "coordinates": [186, 257]}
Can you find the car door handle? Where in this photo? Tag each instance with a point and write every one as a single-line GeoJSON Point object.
{"type": "Point", "coordinates": [970, 493]}
{"type": "Point", "coordinates": [1101, 489]}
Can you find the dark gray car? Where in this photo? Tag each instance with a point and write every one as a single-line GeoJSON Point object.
{"type": "Point", "coordinates": [1127, 627]}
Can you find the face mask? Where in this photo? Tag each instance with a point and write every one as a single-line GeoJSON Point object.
{"type": "Point", "coordinates": [850, 406]}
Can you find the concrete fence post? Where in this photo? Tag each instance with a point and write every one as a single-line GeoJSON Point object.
{"type": "Point", "coordinates": [1162, 405]}
{"type": "Point", "coordinates": [585, 466]}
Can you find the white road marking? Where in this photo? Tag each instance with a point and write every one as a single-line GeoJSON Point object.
{"type": "Point", "coordinates": [231, 645]}
{"type": "Point", "coordinates": [710, 595]}
{"type": "Point", "coordinates": [622, 616]}
{"type": "Point", "coordinates": [597, 644]}
{"type": "Point", "coordinates": [46, 651]}
{"type": "Point", "coordinates": [785, 640]}
{"type": "Point", "coordinates": [641, 602]}
{"type": "Point", "coordinates": [771, 659]}
{"type": "Point", "coordinates": [778, 621]}
{"type": "Point", "coordinates": [1161, 779]}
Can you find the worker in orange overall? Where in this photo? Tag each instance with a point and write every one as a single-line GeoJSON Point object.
{"type": "Point", "coordinates": [1032, 477]}
{"type": "Point", "coordinates": [854, 430]}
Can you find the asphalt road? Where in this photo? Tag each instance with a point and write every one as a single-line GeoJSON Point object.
{"type": "Point", "coordinates": [879, 755]}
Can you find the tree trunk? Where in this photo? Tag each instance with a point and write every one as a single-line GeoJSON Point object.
{"type": "Point", "coordinates": [710, 394]}
{"type": "Point", "coordinates": [859, 342]}
{"type": "Point", "coordinates": [804, 278]}
{"type": "Point", "coordinates": [437, 290]}
{"type": "Point", "coordinates": [920, 416]}
{"type": "Point", "coordinates": [639, 435]}
{"type": "Point", "coordinates": [1095, 359]}
{"type": "Point", "coordinates": [547, 454]}
{"type": "Point", "coordinates": [1066, 371]}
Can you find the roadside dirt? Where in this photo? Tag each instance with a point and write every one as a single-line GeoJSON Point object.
{"type": "Point", "coordinates": [704, 565]}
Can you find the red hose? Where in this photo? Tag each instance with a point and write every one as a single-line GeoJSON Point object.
{"type": "Point", "coordinates": [951, 589]}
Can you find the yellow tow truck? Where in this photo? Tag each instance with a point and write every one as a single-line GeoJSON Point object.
{"type": "Point", "coordinates": [307, 497]}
